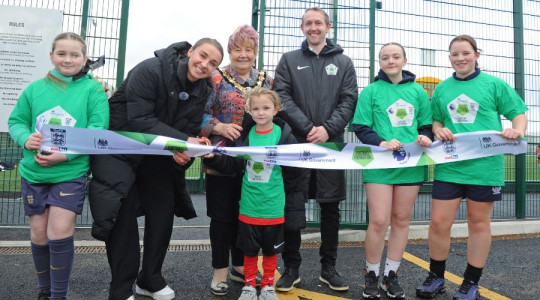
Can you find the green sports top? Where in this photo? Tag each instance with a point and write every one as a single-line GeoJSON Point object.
{"type": "Point", "coordinates": [263, 191]}
{"type": "Point", "coordinates": [82, 103]}
{"type": "Point", "coordinates": [475, 105]}
{"type": "Point", "coordinates": [394, 111]}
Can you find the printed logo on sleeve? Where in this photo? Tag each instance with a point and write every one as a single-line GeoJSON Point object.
{"type": "Point", "coordinates": [463, 109]}
{"type": "Point", "coordinates": [401, 113]}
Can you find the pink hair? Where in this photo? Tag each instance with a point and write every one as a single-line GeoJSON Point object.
{"type": "Point", "coordinates": [243, 35]}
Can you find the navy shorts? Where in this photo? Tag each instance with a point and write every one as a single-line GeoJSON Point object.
{"type": "Point", "coordinates": [69, 195]}
{"type": "Point", "coordinates": [252, 238]}
{"type": "Point", "coordinates": [443, 190]}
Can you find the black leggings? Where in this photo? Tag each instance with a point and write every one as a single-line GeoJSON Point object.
{"type": "Point", "coordinates": [222, 198]}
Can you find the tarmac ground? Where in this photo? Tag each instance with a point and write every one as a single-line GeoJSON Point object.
{"type": "Point", "coordinates": [512, 270]}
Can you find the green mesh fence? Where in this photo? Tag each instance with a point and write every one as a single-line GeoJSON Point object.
{"type": "Point", "coordinates": [506, 31]}
{"type": "Point", "coordinates": [99, 22]}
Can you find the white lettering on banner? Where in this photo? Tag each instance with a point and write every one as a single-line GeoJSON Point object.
{"type": "Point", "coordinates": [72, 140]}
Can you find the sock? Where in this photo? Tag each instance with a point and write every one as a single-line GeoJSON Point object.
{"type": "Point", "coordinates": [269, 269]}
{"type": "Point", "coordinates": [41, 258]}
{"type": "Point", "coordinates": [62, 253]}
{"type": "Point", "coordinates": [373, 267]}
{"type": "Point", "coordinates": [472, 273]}
{"type": "Point", "coordinates": [437, 266]}
{"type": "Point", "coordinates": [250, 270]}
{"type": "Point", "coordinates": [391, 266]}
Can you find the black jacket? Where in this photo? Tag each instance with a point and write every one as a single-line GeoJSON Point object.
{"type": "Point", "coordinates": [311, 95]}
{"type": "Point", "coordinates": [148, 101]}
{"type": "Point", "coordinates": [318, 90]}
{"type": "Point", "coordinates": [295, 189]}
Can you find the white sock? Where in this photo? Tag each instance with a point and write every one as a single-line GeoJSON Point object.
{"type": "Point", "coordinates": [373, 267]}
{"type": "Point", "coordinates": [391, 266]}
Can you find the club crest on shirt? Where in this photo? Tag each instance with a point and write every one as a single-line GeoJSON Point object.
{"type": "Point", "coordinates": [30, 199]}
{"type": "Point", "coordinates": [258, 171]}
{"type": "Point", "coordinates": [463, 109]}
{"type": "Point", "coordinates": [57, 116]}
{"type": "Point", "coordinates": [400, 113]}
{"type": "Point", "coordinates": [331, 69]}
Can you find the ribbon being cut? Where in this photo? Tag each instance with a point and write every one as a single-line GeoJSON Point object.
{"type": "Point", "coordinates": [70, 140]}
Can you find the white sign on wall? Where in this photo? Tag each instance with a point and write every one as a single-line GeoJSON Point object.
{"type": "Point", "coordinates": [26, 36]}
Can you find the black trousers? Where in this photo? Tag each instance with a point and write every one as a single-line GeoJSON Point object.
{"type": "Point", "coordinates": [154, 194]}
{"type": "Point", "coordinates": [222, 200]}
{"type": "Point", "coordinates": [329, 238]}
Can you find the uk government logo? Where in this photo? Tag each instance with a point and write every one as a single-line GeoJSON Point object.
{"type": "Point", "coordinates": [486, 142]}
{"type": "Point", "coordinates": [101, 143]}
{"type": "Point", "coordinates": [305, 154]}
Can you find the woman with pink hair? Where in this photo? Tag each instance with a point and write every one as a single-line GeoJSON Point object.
{"type": "Point", "coordinates": [223, 121]}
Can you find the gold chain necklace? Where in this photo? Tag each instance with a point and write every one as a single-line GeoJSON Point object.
{"type": "Point", "coordinates": [238, 86]}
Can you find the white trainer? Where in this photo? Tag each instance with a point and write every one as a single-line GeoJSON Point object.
{"type": "Point", "coordinates": [268, 293]}
{"type": "Point", "coordinates": [165, 293]}
{"type": "Point", "coordinates": [248, 293]}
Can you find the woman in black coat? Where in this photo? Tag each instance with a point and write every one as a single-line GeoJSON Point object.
{"type": "Point", "coordinates": [164, 95]}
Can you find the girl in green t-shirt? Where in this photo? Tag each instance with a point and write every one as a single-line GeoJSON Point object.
{"type": "Point", "coordinates": [53, 185]}
{"type": "Point", "coordinates": [468, 101]}
{"type": "Point", "coordinates": [391, 111]}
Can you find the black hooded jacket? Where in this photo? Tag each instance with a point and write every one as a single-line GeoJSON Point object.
{"type": "Point", "coordinates": [313, 94]}
{"type": "Point", "coordinates": [150, 100]}
{"type": "Point", "coordinates": [318, 90]}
